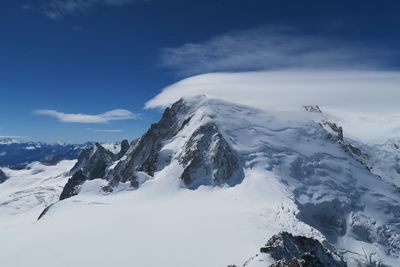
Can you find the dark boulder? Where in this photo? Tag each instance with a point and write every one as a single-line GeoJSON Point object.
{"type": "Point", "coordinates": [72, 186]}
{"type": "Point", "coordinates": [94, 162]}
{"type": "Point", "coordinates": [124, 148]}
{"type": "Point", "coordinates": [289, 250]}
{"type": "Point", "coordinates": [312, 108]}
{"type": "Point", "coordinates": [335, 132]}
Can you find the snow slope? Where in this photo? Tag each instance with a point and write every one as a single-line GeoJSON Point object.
{"type": "Point", "coordinates": [27, 192]}
{"type": "Point", "coordinates": [295, 179]}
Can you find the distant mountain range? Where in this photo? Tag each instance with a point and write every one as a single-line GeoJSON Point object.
{"type": "Point", "coordinates": [13, 152]}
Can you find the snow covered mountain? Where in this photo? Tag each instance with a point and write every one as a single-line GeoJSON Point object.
{"type": "Point", "coordinates": [209, 185]}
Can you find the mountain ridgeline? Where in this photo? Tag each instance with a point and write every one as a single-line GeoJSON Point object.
{"type": "Point", "coordinates": [207, 158]}
{"type": "Point", "coordinates": [333, 181]}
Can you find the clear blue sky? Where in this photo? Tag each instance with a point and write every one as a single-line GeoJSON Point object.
{"type": "Point", "coordinates": [94, 56]}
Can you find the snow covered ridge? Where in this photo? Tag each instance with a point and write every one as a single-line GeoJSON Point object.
{"type": "Point", "coordinates": [210, 183]}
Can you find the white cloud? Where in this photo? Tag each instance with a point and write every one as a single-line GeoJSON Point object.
{"type": "Point", "coordinates": [366, 103]}
{"type": "Point", "coordinates": [271, 49]}
{"type": "Point", "coordinates": [367, 91]}
{"type": "Point", "coordinates": [113, 115]}
{"type": "Point", "coordinates": [56, 9]}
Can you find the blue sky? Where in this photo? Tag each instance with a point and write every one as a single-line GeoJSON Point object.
{"type": "Point", "coordinates": [80, 70]}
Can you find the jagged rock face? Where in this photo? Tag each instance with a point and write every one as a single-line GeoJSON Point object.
{"type": "Point", "coordinates": [289, 250]}
{"type": "Point", "coordinates": [3, 177]}
{"type": "Point", "coordinates": [92, 164]}
{"type": "Point", "coordinates": [94, 161]}
{"type": "Point", "coordinates": [72, 186]}
{"type": "Point", "coordinates": [143, 154]}
{"type": "Point", "coordinates": [208, 159]}
{"type": "Point", "coordinates": [124, 148]}
{"type": "Point", "coordinates": [312, 108]}
{"type": "Point", "coordinates": [335, 132]}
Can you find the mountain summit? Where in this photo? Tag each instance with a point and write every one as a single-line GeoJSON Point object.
{"type": "Point", "coordinates": [213, 169]}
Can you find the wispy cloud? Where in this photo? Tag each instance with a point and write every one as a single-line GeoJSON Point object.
{"type": "Point", "coordinates": [113, 115]}
{"type": "Point", "coordinates": [271, 49]}
{"type": "Point", "coordinates": [56, 9]}
{"type": "Point", "coordinates": [358, 91]}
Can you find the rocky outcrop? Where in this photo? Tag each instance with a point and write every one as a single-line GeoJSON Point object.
{"type": "Point", "coordinates": [124, 148]}
{"type": "Point", "coordinates": [312, 108]}
{"type": "Point", "coordinates": [94, 162]}
{"type": "Point", "coordinates": [3, 177]}
{"type": "Point", "coordinates": [335, 132]}
{"type": "Point", "coordinates": [300, 251]}
{"type": "Point", "coordinates": [72, 186]}
{"type": "Point", "coordinates": [143, 155]}
{"type": "Point", "coordinates": [209, 160]}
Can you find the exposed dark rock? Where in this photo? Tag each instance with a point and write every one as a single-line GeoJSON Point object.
{"type": "Point", "coordinates": [354, 150]}
{"type": "Point", "coordinates": [335, 132]}
{"type": "Point", "coordinates": [398, 166]}
{"type": "Point", "coordinates": [72, 186]}
{"type": "Point", "coordinates": [44, 211]}
{"type": "Point", "coordinates": [94, 161]}
{"type": "Point", "coordinates": [3, 177]}
{"type": "Point", "coordinates": [124, 148]}
{"type": "Point", "coordinates": [209, 160]}
{"type": "Point", "coordinates": [19, 167]}
{"type": "Point", "coordinates": [143, 154]}
{"type": "Point", "coordinates": [357, 153]}
{"type": "Point", "coordinates": [289, 250]}
{"type": "Point", "coordinates": [312, 108]}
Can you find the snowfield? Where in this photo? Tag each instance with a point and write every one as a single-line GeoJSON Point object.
{"type": "Point", "coordinates": [298, 177]}
{"type": "Point", "coordinates": [158, 225]}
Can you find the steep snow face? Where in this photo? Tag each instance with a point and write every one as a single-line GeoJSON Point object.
{"type": "Point", "coordinates": [334, 190]}
{"type": "Point", "coordinates": [255, 173]}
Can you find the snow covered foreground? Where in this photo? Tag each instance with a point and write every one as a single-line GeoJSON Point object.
{"type": "Point", "coordinates": [296, 179]}
{"type": "Point", "coordinates": [157, 225]}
